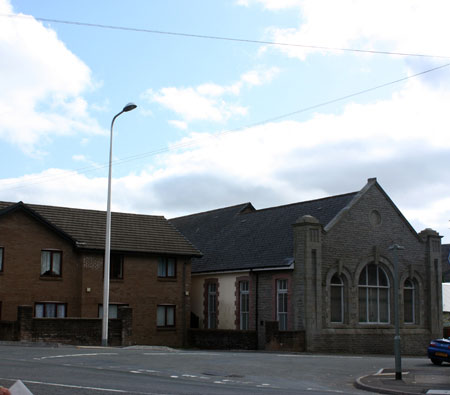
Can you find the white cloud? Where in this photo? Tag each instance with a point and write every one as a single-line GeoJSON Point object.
{"type": "Point", "coordinates": [209, 101]}
{"type": "Point", "coordinates": [402, 141]}
{"type": "Point", "coordinates": [42, 82]}
{"type": "Point", "coordinates": [412, 26]}
{"type": "Point", "coordinates": [179, 124]}
{"type": "Point", "coordinates": [272, 4]}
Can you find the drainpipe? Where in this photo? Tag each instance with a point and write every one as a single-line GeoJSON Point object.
{"type": "Point", "coordinates": [183, 322]}
{"type": "Point", "coordinates": [256, 307]}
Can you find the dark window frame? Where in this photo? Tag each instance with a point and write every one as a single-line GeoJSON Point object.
{"type": "Point", "coordinates": [110, 316]}
{"type": "Point", "coordinates": [163, 267]}
{"type": "Point", "coordinates": [116, 259]}
{"type": "Point", "coordinates": [2, 258]}
{"type": "Point", "coordinates": [410, 304]}
{"type": "Point", "coordinates": [51, 272]}
{"type": "Point", "coordinates": [45, 307]}
{"type": "Point", "coordinates": [166, 307]}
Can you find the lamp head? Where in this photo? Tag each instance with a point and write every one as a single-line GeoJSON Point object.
{"type": "Point", "coordinates": [129, 107]}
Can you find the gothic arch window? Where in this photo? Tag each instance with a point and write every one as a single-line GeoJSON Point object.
{"type": "Point", "coordinates": [373, 289]}
{"type": "Point", "coordinates": [337, 307]}
{"type": "Point", "coordinates": [410, 301]}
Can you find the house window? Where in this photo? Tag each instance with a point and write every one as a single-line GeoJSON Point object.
{"type": "Point", "coordinates": [337, 299]}
{"type": "Point", "coordinates": [282, 304]}
{"type": "Point", "coordinates": [165, 316]}
{"type": "Point", "coordinates": [2, 253]}
{"type": "Point", "coordinates": [244, 304]}
{"type": "Point", "coordinates": [116, 267]}
{"type": "Point", "coordinates": [50, 310]}
{"type": "Point", "coordinates": [112, 311]}
{"type": "Point", "coordinates": [167, 267]}
{"type": "Point", "coordinates": [409, 301]}
{"type": "Point", "coordinates": [51, 262]}
{"type": "Point", "coordinates": [373, 289]}
{"type": "Point", "coordinates": [212, 305]}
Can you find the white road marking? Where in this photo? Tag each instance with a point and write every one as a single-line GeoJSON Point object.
{"type": "Point", "coordinates": [320, 356]}
{"type": "Point", "coordinates": [84, 387]}
{"type": "Point", "coordinates": [180, 353]}
{"type": "Point", "coordinates": [77, 355]}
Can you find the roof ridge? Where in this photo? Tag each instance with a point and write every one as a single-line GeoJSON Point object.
{"type": "Point", "coordinates": [303, 202]}
{"type": "Point", "coordinates": [33, 205]}
{"type": "Point", "coordinates": [212, 211]}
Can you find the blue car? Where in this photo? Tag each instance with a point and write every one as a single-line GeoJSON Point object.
{"type": "Point", "coordinates": [439, 351]}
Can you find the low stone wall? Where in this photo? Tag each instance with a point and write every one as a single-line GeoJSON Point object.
{"type": "Point", "coordinates": [276, 340]}
{"type": "Point", "coordinates": [369, 342]}
{"type": "Point", "coordinates": [222, 339]}
{"type": "Point", "coordinates": [8, 330]}
{"type": "Point", "coordinates": [79, 331]}
{"type": "Point", "coordinates": [270, 338]}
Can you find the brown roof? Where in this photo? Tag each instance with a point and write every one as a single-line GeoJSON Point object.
{"type": "Point", "coordinates": [129, 232]}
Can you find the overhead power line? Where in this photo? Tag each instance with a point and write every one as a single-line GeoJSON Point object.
{"type": "Point", "coordinates": [183, 145]}
{"type": "Point", "coordinates": [222, 38]}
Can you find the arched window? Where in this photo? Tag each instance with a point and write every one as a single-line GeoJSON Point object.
{"type": "Point", "coordinates": [409, 301]}
{"type": "Point", "coordinates": [373, 289]}
{"type": "Point", "coordinates": [337, 299]}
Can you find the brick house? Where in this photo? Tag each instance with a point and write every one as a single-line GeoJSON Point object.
{"type": "Point", "coordinates": [52, 259]}
{"type": "Point", "coordinates": [322, 268]}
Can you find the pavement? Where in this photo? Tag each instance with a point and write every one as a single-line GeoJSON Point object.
{"type": "Point", "coordinates": [414, 381]}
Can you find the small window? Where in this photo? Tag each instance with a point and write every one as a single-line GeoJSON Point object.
{"type": "Point", "coordinates": [167, 267]}
{"type": "Point", "coordinates": [116, 267]}
{"type": "Point", "coordinates": [112, 311]}
{"type": "Point", "coordinates": [2, 253]}
{"type": "Point", "coordinates": [51, 262]}
{"type": "Point", "coordinates": [282, 304]}
{"type": "Point", "coordinates": [337, 299]}
{"type": "Point", "coordinates": [409, 301]}
{"type": "Point", "coordinates": [50, 310]}
{"type": "Point", "coordinates": [212, 305]}
{"type": "Point", "coordinates": [165, 316]}
{"type": "Point", "coordinates": [244, 305]}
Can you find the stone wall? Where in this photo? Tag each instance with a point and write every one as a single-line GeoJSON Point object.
{"type": "Point", "coordinates": [222, 339]}
{"type": "Point", "coordinates": [363, 234]}
{"type": "Point", "coordinates": [79, 331]}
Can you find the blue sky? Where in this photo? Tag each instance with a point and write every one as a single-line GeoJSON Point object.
{"type": "Point", "coordinates": [201, 136]}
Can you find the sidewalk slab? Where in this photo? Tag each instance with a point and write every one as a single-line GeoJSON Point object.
{"type": "Point", "coordinates": [413, 382]}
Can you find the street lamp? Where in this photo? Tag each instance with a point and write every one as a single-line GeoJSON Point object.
{"type": "Point", "coordinates": [398, 358]}
{"type": "Point", "coordinates": [128, 107]}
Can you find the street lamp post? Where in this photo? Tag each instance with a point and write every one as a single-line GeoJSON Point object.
{"type": "Point", "coordinates": [128, 107]}
{"type": "Point", "coordinates": [398, 358]}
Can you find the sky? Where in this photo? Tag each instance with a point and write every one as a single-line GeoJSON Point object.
{"type": "Point", "coordinates": [264, 101]}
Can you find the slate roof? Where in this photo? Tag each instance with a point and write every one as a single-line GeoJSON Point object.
{"type": "Point", "coordinates": [240, 237]}
{"type": "Point", "coordinates": [129, 232]}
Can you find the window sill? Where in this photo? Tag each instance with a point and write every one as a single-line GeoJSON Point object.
{"type": "Point", "coordinates": [374, 325]}
{"type": "Point", "coordinates": [166, 329]}
{"type": "Point", "coordinates": [50, 278]}
{"type": "Point", "coordinates": [116, 280]}
{"type": "Point", "coordinates": [167, 279]}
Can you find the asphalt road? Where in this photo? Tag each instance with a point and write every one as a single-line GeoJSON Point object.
{"type": "Point", "coordinates": [155, 371]}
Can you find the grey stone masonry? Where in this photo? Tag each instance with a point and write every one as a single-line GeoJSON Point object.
{"type": "Point", "coordinates": [361, 235]}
